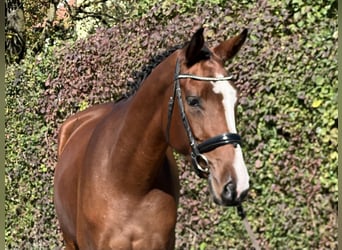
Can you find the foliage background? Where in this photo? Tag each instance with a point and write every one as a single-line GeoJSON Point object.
{"type": "Point", "coordinates": [287, 77]}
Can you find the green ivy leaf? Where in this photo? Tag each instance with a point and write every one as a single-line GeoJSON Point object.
{"type": "Point", "coordinates": [316, 103]}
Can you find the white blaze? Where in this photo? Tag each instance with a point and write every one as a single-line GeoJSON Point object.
{"type": "Point", "coordinates": [229, 99]}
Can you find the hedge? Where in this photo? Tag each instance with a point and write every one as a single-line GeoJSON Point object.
{"type": "Point", "coordinates": [287, 116]}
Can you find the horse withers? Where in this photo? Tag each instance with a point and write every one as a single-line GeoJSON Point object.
{"type": "Point", "coordinates": [116, 181]}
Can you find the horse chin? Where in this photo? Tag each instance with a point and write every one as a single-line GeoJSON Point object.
{"type": "Point", "coordinates": [225, 203]}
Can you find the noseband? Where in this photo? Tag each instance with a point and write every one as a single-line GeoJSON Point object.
{"type": "Point", "coordinates": [199, 161]}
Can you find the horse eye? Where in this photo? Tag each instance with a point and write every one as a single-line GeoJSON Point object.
{"type": "Point", "coordinates": [193, 101]}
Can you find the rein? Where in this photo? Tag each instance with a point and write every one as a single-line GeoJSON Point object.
{"type": "Point", "coordinates": [249, 230]}
{"type": "Point", "coordinates": [199, 161]}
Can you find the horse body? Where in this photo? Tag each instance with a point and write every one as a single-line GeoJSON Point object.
{"type": "Point", "coordinates": [94, 139]}
{"type": "Point", "coordinates": [116, 181]}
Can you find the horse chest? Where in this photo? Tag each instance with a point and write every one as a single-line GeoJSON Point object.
{"type": "Point", "coordinates": [149, 224]}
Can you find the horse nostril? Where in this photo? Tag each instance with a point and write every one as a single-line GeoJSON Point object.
{"type": "Point", "coordinates": [229, 192]}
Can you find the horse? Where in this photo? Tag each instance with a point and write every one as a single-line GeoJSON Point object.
{"type": "Point", "coordinates": [116, 180]}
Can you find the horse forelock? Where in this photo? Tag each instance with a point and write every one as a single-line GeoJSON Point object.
{"type": "Point", "coordinates": [203, 54]}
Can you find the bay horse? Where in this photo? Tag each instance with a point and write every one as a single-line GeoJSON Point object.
{"type": "Point", "coordinates": [116, 180]}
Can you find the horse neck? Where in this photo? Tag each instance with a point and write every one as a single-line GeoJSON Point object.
{"type": "Point", "coordinates": [148, 105]}
{"type": "Point", "coordinates": [144, 123]}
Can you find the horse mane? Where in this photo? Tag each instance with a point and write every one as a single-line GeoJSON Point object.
{"type": "Point", "coordinates": [139, 76]}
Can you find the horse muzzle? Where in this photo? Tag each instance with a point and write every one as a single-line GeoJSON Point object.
{"type": "Point", "coordinates": [227, 195]}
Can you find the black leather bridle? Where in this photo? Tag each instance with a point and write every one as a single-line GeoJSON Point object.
{"type": "Point", "coordinates": [199, 161]}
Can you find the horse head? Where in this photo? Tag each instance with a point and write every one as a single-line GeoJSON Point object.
{"type": "Point", "coordinates": [203, 123]}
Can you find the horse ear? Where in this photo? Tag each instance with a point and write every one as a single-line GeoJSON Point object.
{"type": "Point", "coordinates": [193, 49]}
{"type": "Point", "coordinates": [230, 48]}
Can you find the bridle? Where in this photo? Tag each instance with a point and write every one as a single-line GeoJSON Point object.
{"type": "Point", "coordinates": [197, 150]}
{"type": "Point", "coordinates": [199, 161]}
